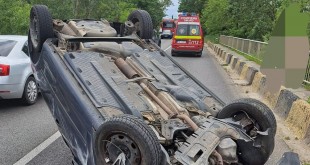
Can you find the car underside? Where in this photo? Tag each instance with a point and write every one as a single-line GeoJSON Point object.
{"type": "Point", "coordinates": [117, 98]}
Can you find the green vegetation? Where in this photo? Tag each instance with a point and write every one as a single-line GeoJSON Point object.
{"type": "Point", "coordinates": [240, 18]}
{"type": "Point", "coordinates": [307, 87]}
{"type": "Point", "coordinates": [15, 14]}
{"type": "Point", "coordinates": [212, 38]}
{"type": "Point", "coordinates": [247, 56]}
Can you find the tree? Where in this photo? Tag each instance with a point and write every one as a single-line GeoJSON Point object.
{"type": "Point", "coordinates": [195, 6]}
{"type": "Point", "coordinates": [215, 17]}
{"type": "Point", "coordinates": [15, 14]}
{"type": "Point", "coordinates": [14, 17]}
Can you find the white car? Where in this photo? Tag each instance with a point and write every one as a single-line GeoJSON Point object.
{"type": "Point", "coordinates": [16, 76]}
{"type": "Point", "coordinates": [166, 34]}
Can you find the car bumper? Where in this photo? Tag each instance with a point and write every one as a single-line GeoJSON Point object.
{"type": "Point", "coordinates": [187, 50]}
{"type": "Point", "coordinates": [166, 36]}
{"type": "Point", "coordinates": [11, 91]}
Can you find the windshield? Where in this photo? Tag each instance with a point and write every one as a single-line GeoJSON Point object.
{"type": "Point", "coordinates": [6, 46]}
{"type": "Point", "coordinates": [168, 25]}
{"type": "Point", "coordinates": [166, 31]}
{"type": "Point", "coordinates": [188, 30]}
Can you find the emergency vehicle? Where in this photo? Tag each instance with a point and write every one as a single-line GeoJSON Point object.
{"type": "Point", "coordinates": [168, 24]}
{"type": "Point", "coordinates": [188, 37]}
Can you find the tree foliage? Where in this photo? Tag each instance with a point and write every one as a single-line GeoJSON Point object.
{"type": "Point", "coordinates": [252, 19]}
{"type": "Point", "coordinates": [15, 13]}
{"type": "Point", "coordinates": [195, 6]}
{"type": "Point", "coordinates": [14, 17]}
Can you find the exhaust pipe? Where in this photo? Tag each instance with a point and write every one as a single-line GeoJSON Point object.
{"type": "Point", "coordinates": [130, 73]}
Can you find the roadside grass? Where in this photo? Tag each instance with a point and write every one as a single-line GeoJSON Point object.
{"type": "Point", "coordinates": [247, 56]}
{"type": "Point", "coordinates": [215, 39]}
{"type": "Point", "coordinates": [212, 38]}
{"type": "Point", "coordinates": [307, 86]}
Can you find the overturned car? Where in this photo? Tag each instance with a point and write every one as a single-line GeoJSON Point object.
{"type": "Point", "coordinates": [117, 98]}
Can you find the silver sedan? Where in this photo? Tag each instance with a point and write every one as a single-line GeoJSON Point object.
{"type": "Point", "coordinates": [16, 75]}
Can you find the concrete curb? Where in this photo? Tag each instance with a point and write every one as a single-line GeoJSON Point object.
{"type": "Point", "coordinates": [298, 119]}
{"type": "Point", "coordinates": [228, 58]}
{"type": "Point", "coordinates": [234, 61]}
{"type": "Point", "coordinates": [286, 104]}
{"type": "Point", "coordinates": [258, 83]}
{"type": "Point", "coordinates": [250, 73]}
{"type": "Point", "coordinates": [240, 67]}
{"type": "Point", "coordinates": [224, 56]}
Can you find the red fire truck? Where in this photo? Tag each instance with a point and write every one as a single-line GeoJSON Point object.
{"type": "Point", "coordinates": [168, 24]}
{"type": "Point", "coordinates": [188, 36]}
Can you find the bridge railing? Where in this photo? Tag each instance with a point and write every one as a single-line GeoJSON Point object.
{"type": "Point", "coordinates": [253, 48]}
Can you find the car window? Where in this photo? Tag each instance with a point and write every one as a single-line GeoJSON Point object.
{"type": "Point", "coordinates": [6, 47]}
{"type": "Point", "coordinates": [168, 25]}
{"type": "Point", "coordinates": [25, 48]}
{"type": "Point", "coordinates": [188, 30]}
{"type": "Point", "coordinates": [194, 30]}
{"type": "Point", "coordinates": [182, 30]}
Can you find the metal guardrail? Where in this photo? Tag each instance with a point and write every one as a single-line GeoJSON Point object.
{"type": "Point", "coordinates": [253, 48]}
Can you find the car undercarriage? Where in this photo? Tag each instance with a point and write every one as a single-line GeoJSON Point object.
{"type": "Point", "coordinates": [117, 98]}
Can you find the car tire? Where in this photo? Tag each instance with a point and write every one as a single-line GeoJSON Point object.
{"type": "Point", "coordinates": [41, 28]}
{"type": "Point", "coordinates": [143, 23]}
{"type": "Point", "coordinates": [30, 94]}
{"type": "Point", "coordinates": [173, 53]}
{"type": "Point", "coordinates": [265, 119]}
{"type": "Point", "coordinates": [129, 135]}
{"type": "Point", "coordinates": [199, 54]}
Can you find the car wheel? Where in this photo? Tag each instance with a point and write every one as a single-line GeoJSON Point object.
{"type": "Point", "coordinates": [143, 23]}
{"type": "Point", "coordinates": [129, 138]}
{"type": "Point", "coordinates": [41, 28]}
{"type": "Point", "coordinates": [199, 54]}
{"type": "Point", "coordinates": [262, 119]}
{"type": "Point", "coordinates": [30, 94]}
{"type": "Point", "coordinates": [173, 53]}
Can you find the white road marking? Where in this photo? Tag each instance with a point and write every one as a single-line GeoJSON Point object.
{"type": "Point", "coordinates": [33, 153]}
{"type": "Point", "coordinates": [167, 48]}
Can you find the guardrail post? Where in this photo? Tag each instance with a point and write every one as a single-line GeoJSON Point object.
{"type": "Point", "coordinates": [249, 48]}
{"type": "Point", "coordinates": [258, 49]}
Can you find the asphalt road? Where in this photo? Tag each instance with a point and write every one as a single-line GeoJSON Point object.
{"type": "Point", "coordinates": [24, 128]}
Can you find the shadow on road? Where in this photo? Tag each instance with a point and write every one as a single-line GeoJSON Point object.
{"type": "Point", "coordinates": [11, 103]}
{"type": "Point", "coordinates": [187, 55]}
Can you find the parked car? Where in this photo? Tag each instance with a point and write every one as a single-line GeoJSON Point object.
{"type": "Point", "coordinates": [166, 34]}
{"type": "Point", "coordinates": [117, 98]}
{"type": "Point", "coordinates": [16, 76]}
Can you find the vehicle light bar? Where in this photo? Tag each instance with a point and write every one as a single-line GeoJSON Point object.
{"type": "Point", "coordinates": [187, 14]}
{"type": "Point", "coordinates": [4, 70]}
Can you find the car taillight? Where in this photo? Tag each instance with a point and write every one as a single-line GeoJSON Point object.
{"type": "Point", "coordinates": [4, 70]}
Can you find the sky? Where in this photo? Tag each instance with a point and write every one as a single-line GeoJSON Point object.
{"type": "Point", "coordinates": [173, 9]}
